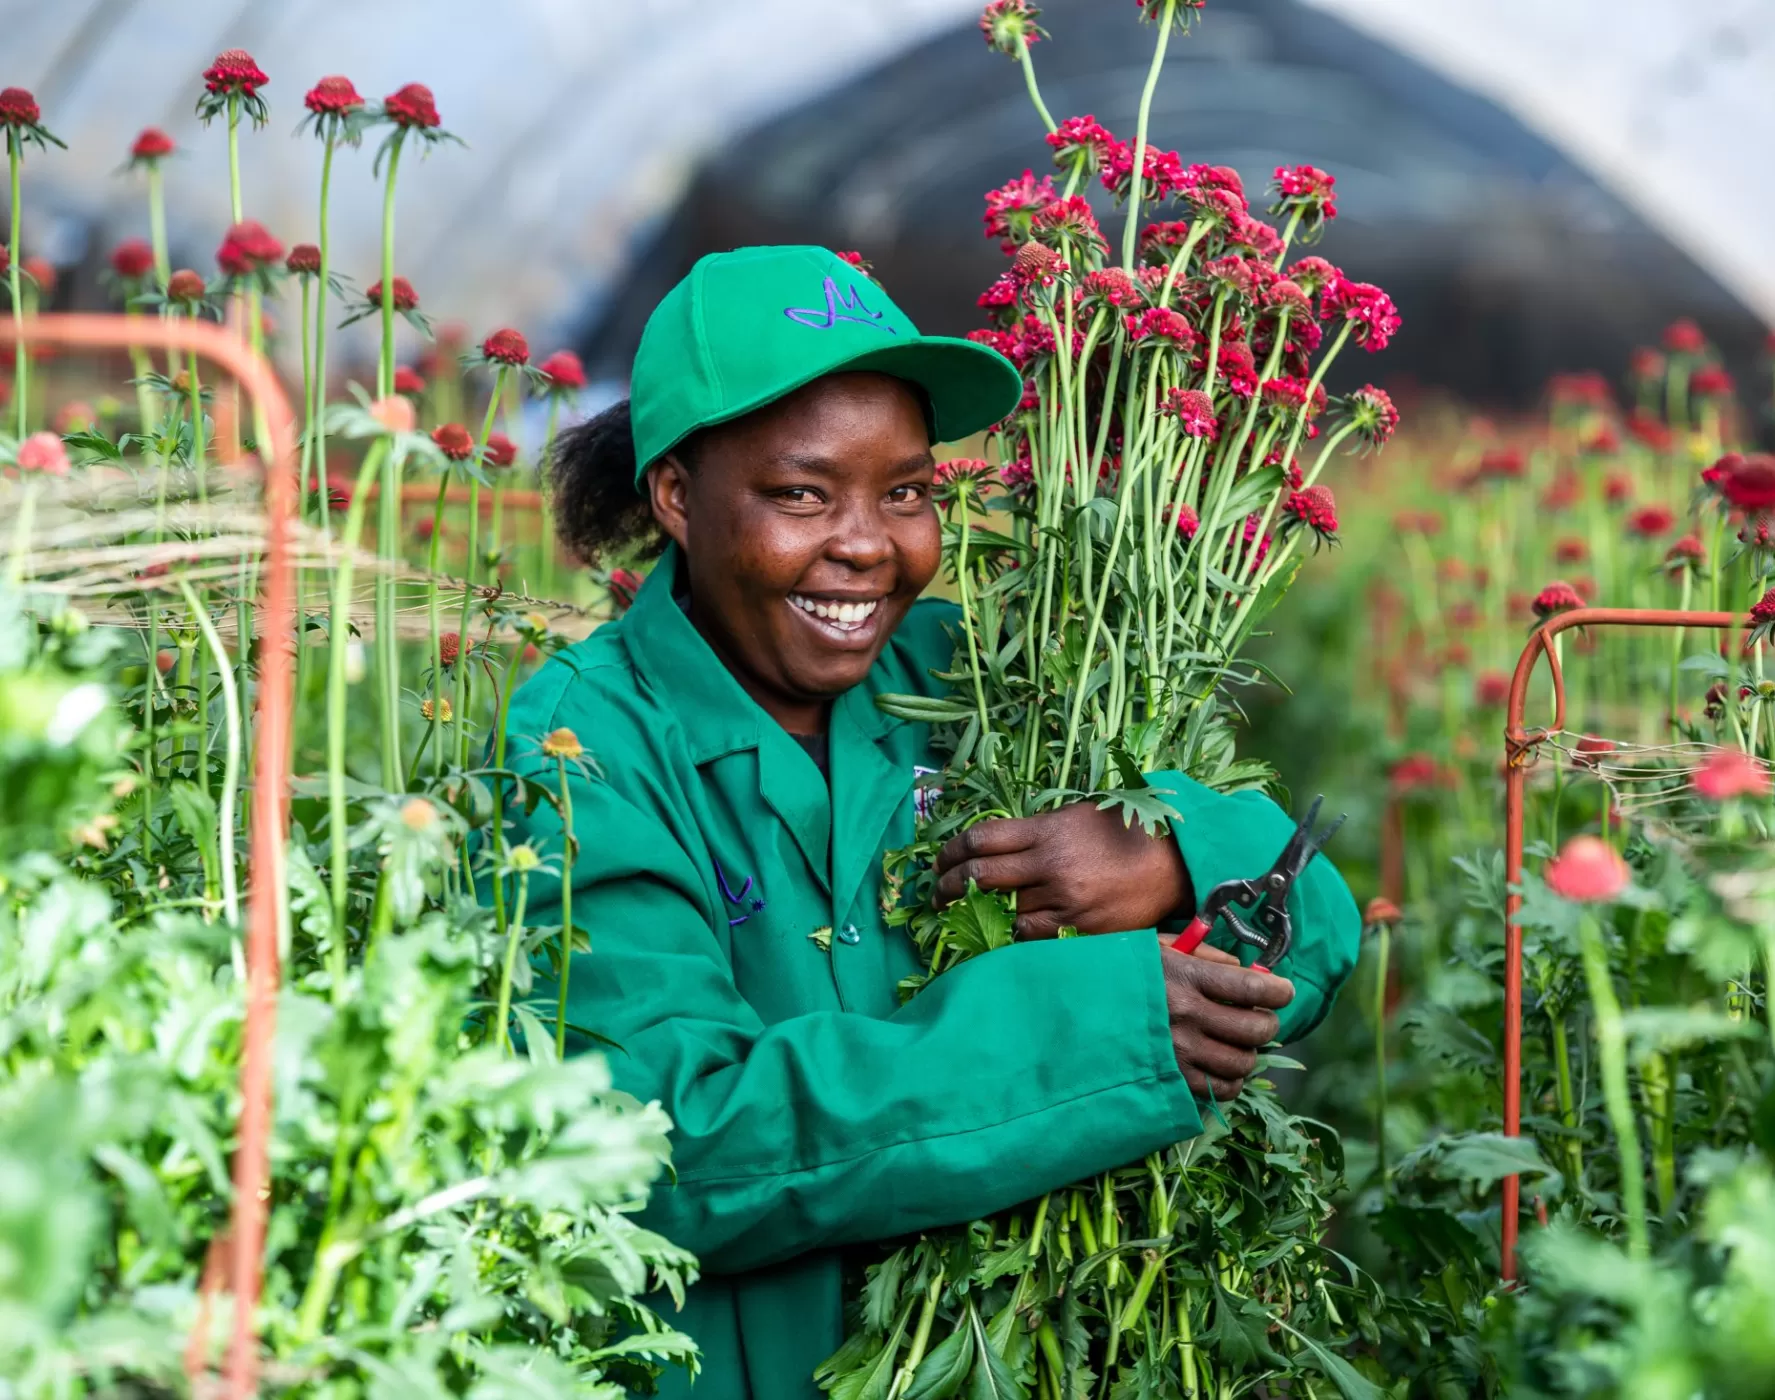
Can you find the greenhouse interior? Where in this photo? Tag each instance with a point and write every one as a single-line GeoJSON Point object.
{"type": "Point", "coordinates": [545, 852]}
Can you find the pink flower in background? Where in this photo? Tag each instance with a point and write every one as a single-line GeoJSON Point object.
{"type": "Point", "coordinates": [1710, 382]}
{"type": "Point", "coordinates": [246, 248]}
{"type": "Point", "coordinates": [1009, 25]}
{"type": "Point", "coordinates": [506, 347]}
{"type": "Point", "coordinates": [1731, 773]}
{"type": "Point", "coordinates": [1491, 689]}
{"type": "Point", "coordinates": [1314, 507]}
{"type": "Point", "coordinates": [1684, 337]}
{"type": "Point", "coordinates": [1648, 522]}
{"type": "Point", "coordinates": [1570, 550]}
{"type": "Point", "coordinates": [185, 285]}
{"type": "Point", "coordinates": [1588, 870]}
{"type": "Point", "coordinates": [303, 261]}
{"type": "Point", "coordinates": [18, 108]}
{"type": "Point", "coordinates": [43, 453]}
{"type": "Point", "coordinates": [132, 259]}
{"type": "Point", "coordinates": [1160, 323]}
{"type": "Point", "coordinates": [151, 145]}
{"type": "Point", "coordinates": [1645, 364]}
{"type": "Point", "coordinates": [1194, 412]}
{"type": "Point", "coordinates": [1747, 482]}
{"type": "Point", "coordinates": [1188, 522]}
{"type": "Point", "coordinates": [1011, 207]}
{"type": "Point", "coordinates": [1313, 274]}
{"type": "Point", "coordinates": [395, 414]}
{"type": "Point", "coordinates": [408, 380]}
{"type": "Point", "coordinates": [562, 372]}
{"type": "Point", "coordinates": [333, 97]}
{"type": "Point", "coordinates": [1373, 414]}
{"type": "Point", "coordinates": [234, 74]}
{"type": "Point", "coordinates": [1557, 597]}
{"type": "Point", "coordinates": [624, 585]}
{"type": "Point", "coordinates": [1080, 136]}
{"type": "Point", "coordinates": [401, 297]}
{"type": "Point", "coordinates": [501, 450]}
{"type": "Point", "coordinates": [454, 441]}
{"type": "Point", "coordinates": [412, 106]}
{"type": "Point", "coordinates": [1366, 308]}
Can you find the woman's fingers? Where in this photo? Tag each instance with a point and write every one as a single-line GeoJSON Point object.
{"type": "Point", "coordinates": [1219, 1060]}
{"type": "Point", "coordinates": [1239, 986]}
{"type": "Point", "coordinates": [1019, 870]}
{"type": "Point", "coordinates": [998, 836]}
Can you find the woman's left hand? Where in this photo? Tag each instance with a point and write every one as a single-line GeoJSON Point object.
{"type": "Point", "coordinates": [1079, 866]}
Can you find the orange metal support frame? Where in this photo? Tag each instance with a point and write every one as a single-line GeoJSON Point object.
{"type": "Point", "coordinates": [270, 809]}
{"type": "Point", "coordinates": [1519, 749]}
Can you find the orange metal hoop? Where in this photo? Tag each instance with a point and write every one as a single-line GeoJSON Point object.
{"type": "Point", "coordinates": [1519, 747]}
{"type": "Point", "coordinates": [270, 809]}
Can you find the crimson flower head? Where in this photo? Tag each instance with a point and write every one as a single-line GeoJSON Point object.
{"type": "Point", "coordinates": [1645, 365]}
{"type": "Point", "coordinates": [1762, 618]}
{"type": "Point", "coordinates": [1369, 311]}
{"type": "Point", "coordinates": [1311, 274]}
{"type": "Point", "coordinates": [402, 300]}
{"type": "Point", "coordinates": [1730, 773]}
{"type": "Point", "coordinates": [454, 441]}
{"type": "Point", "coordinates": [1316, 509]}
{"type": "Point", "coordinates": [412, 106]}
{"type": "Point", "coordinates": [1649, 522]}
{"type": "Point", "coordinates": [1188, 522]}
{"type": "Point", "coordinates": [1507, 462]}
{"type": "Point", "coordinates": [1747, 482]}
{"type": "Point", "coordinates": [233, 78]}
{"type": "Point", "coordinates": [1557, 597]}
{"type": "Point", "coordinates": [248, 251]}
{"type": "Point", "coordinates": [185, 286]}
{"type": "Point", "coordinates": [407, 380]}
{"type": "Point", "coordinates": [1416, 772]}
{"type": "Point", "coordinates": [41, 271]}
{"type": "Point", "coordinates": [1305, 191]}
{"type": "Point", "coordinates": [1036, 265]}
{"type": "Point", "coordinates": [1617, 488]}
{"type": "Point", "coordinates": [1081, 139]}
{"type": "Point", "coordinates": [1587, 870]}
{"type": "Point", "coordinates": [1194, 412]}
{"type": "Point", "coordinates": [1684, 337]}
{"type": "Point", "coordinates": [23, 119]}
{"type": "Point", "coordinates": [506, 347]}
{"type": "Point", "coordinates": [501, 450]}
{"type": "Point", "coordinates": [1686, 553]}
{"type": "Point", "coordinates": [333, 97]}
{"type": "Point", "coordinates": [1381, 910]}
{"type": "Point", "coordinates": [1161, 325]}
{"type": "Point", "coordinates": [450, 646]}
{"type": "Point", "coordinates": [151, 146]}
{"type": "Point", "coordinates": [1011, 208]}
{"type": "Point", "coordinates": [303, 261]}
{"type": "Point", "coordinates": [402, 297]}
{"type": "Point", "coordinates": [1288, 396]}
{"type": "Point", "coordinates": [1372, 414]}
{"type": "Point", "coordinates": [132, 259]}
{"type": "Point", "coordinates": [1009, 26]}
{"type": "Point", "coordinates": [1710, 382]}
{"type": "Point", "coordinates": [1491, 689]}
{"type": "Point", "coordinates": [1181, 16]}
{"type": "Point", "coordinates": [1570, 550]}
{"type": "Point", "coordinates": [562, 373]}
{"type": "Point", "coordinates": [44, 454]}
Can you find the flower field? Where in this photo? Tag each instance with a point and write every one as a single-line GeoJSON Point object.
{"type": "Point", "coordinates": [286, 1112]}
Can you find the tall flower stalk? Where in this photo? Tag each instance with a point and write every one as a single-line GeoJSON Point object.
{"type": "Point", "coordinates": [22, 120]}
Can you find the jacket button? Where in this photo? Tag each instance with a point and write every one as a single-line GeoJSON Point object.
{"type": "Point", "coordinates": [849, 934]}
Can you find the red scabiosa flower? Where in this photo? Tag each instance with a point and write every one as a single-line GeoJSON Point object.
{"type": "Point", "coordinates": [43, 454]}
{"type": "Point", "coordinates": [1587, 870]}
{"type": "Point", "coordinates": [1600, 439]}
{"type": "Point", "coordinates": [1263, 241]}
{"type": "Point", "coordinates": [1163, 326]}
{"type": "Point", "coordinates": [1372, 414]}
{"type": "Point", "coordinates": [1366, 309]}
{"type": "Point", "coordinates": [858, 261]}
{"type": "Point", "coordinates": [1194, 412]}
{"type": "Point", "coordinates": [1112, 287]}
{"type": "Point", "coordinates": [333, 96]}
{"type": "Point", "coordinates": [1557, 597]}
{"type": "Point", "coordinates": [1762, 618]}
{"type": "Point", "coordinates": [233, 78]}
{"type": "Point", "coordinates": [185, 287]}
{"type": "Point", "coordinates": [1648, 430]}
{"type": "Point", "coordinates": [1645, 365]}
{"type": "Point", "coordinates": [303, 261]}
{"type": "Point", "coordinates": [1316, 509]}
{"type": "Point", "coordinates": [1571, 550]}
{"type": "Point", "coordinates": [1068, 222]}
{"type": "Point", "coordinates": [1188, 522]}
{"type": "Point", "coordinates": [1686, 553]}
{"type": "Point", "coordinates": [132, 259]}
{"type": "Point", "coordinates": [562, 373]}
{"type": "Point", "coordinates": [23, 120]}
{"type": "Point", "coordinates": [1649, 522]}
{"type": "Point", "coordinates": [1684, 337]}
{"type": "Point", "coordinates": [1710, 382]}
{"type": "Point", "coordinates": [1730, 773]}
{"type": "Point", "coordinates": [402, 298]}
{"type": "Point", "coordinates": [1590, 748]}
{"type": "Point", "coordinates": [1505, 463]}
{"type": "Point", "coordinates": [506, 347]}
{"type": "Point", "coordinates": [1491, 689]}
{"type": "Point", "coordinates": [150, 147]}
{"type": "Point", "coordinates": [1009, 26]}
{"type": "Point", "coordinates": [1161, 172]}
{"type": "Point", "coordinates": [501, 450]}
{"type": "Point", "coordinates": [1235, 368]}
{"type": "Point", "coordinates": [1313, 274]}
{"type": "Point", "coordinates": [408, 380]}
{"type": "Point", "coordinates": [1036, 265]}
{"type": "Point", "coordinates": [1288, 396]}
{"type": "Point", "coordinates": [1080, 140]}
{"type": "Point", "coordinates": [1012, 207]}
{"type": "Point", "coordinates": [1748, 482]}
{"type": "Point", "coordinates": [449, 648]}
{"type": "Point", "coordinates": [1414, 774]}
{"type": "Point", "coordinates": [454, 441]}
{"type": "Point", "coordinates": [1305, 192]}
{"type": "Point", "coordinates": [412, 106]}
{"type": "Point", "coordinates": [248, 250]}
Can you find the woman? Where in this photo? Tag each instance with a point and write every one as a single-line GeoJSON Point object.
{"type": "Point", "coordinates": [746, 787]}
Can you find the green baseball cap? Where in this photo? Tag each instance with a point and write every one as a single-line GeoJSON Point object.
{"type": "Point", "coordinates": [746, 327]}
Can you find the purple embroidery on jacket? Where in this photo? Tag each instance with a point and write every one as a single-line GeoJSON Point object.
{"type": "Point", "coordinates": [738, 897]}
{"type": "Point", "coordinates": [823, 318]}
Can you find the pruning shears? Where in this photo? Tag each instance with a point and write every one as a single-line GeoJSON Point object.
{"type": "Point", "coordinates": [1257, 910]}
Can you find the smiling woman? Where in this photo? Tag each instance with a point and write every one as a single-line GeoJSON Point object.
{"type": "Point", "coordinates": [725, 850]}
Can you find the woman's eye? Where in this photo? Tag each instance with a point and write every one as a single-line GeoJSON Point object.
{"type": "Point", "coordinates": [799, 495]}
{"type": "Point", "coordinates": [910, 494]}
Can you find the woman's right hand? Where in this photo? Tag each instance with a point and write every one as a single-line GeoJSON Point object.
{"type": "Point", "coordinates": [1221, 1015]}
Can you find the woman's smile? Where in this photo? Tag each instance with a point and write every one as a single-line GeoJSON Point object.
{"type": "Point", "coordinates": [849, 622]}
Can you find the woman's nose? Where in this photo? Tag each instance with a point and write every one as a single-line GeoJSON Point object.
{"type": "Point", "coordinates": [863, 539]}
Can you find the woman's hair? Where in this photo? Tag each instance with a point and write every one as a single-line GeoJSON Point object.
{"type": "Point", "coordinates": [599, 509]}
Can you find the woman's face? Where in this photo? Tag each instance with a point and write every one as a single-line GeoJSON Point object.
{"type": "Point", "coordinates": [808, 530]}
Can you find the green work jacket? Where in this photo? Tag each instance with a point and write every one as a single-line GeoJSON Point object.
{"type": "Point", "coordinates": [741, 961]}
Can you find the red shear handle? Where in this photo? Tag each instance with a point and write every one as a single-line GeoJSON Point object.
{"type": "Point", "coordinates": [1191, 939]}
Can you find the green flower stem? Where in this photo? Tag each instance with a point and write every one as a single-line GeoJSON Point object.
{"type": "Point", "coordinates": [21, 362]}
{"type": "Point", "coordinates": [1136, 176]}
{"type": "Point", "coordinates": [921, 1337]}
{"type": "Point", "coordinates": [339, 641]}
{"type": "Point", "coordinates": [1676, 644]}
{"type": "Point", "coordinates": [513, 937]}
{"type": "Point", "coordinates": [388, 655]}
{"type": "Point", "coordinates": [317, 417]}
{"type": "Point", "coordinates": [385, 366]}
{"type": "Point", "coordinates": [21, 534]}
{"type": "Point", "coordinates": [569, 851]}
{"type": "Point", "coordinates": [967, 615]}
{"type": "Point", "coordinates": [1612, 1054]}
{"type": "Point", "coordinates": [502, 706]}
{"type": "Point", "coordinates": [546, 565]}
{"type": "Point", "coordinates": [1035, 94]}
{"type": "Point", "coordinates": [434, 621]}
{"type": "Point", "coordinates": [468, 566]}
{"type": "Point", "coordinates": [1568, 1109]}
{"type": "Point", "coordinates": [230, 797]}
{"type": "Point", "coordinates": [1384, 941]}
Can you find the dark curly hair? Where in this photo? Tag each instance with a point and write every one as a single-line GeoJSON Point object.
{"type": "Point", "coordinates": [599, 510]}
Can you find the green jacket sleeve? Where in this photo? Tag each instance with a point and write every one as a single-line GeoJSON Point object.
{"type": "Point", "coordinates": [1234, 836]}
{"type": "Point", "coordinates": [1032, 1067]}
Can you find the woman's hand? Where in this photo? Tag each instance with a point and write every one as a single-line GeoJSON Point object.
{"type": "Point", "coordinates": [1079, 866]}
{"type": "Point", "coordinates": [1221, 1015]}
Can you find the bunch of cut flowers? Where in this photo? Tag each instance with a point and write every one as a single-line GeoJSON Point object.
{"type": "Point", "coordinates": [1149, 502]}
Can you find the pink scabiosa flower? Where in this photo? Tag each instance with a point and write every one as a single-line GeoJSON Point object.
{"type": "Point", "coordinates": [233, 78]}
{"type": "Point", "coordinates": [1491, 689]}
{"type": "Point", "coordinates": [250, 253]}
{"type": "Point", "coordinates": [1305, 192]}
{"type": "Point", "coordinates": [1645, 365]}
{"type": "Point", "coordinates": [395, 414]}
{"type": "Point", "coordinates": [303, 261]}
{"type": "Point", "coordinates": [1372, 414]}
{"type": "Point", "coordinates": [1068, 222]}
{"type": "Point", "coordinates": [1188, 522]}
{"type": "Point", "coordinates": [1011, 208]}
{"type": "Point", "coordinates": [1557, 597]}
{"type": "Point", "coordinates": [1730, 773]}
{"type": "Point", "coordinates": [1570, 550]}
{"type": "Point", "coordinates": [1288, 396]}
{"type": "Point", "coordinates": [1686, 553]}
{"type": "Point", "coordinates": [1649, 522]}
{"type": "Point", "coordinates": [1254, 235]}
{"type": "Point", "coordinates": [1587, 870]}
{"type": "Point", "coordinates": [1036, 265]}
{"type": "Point", "coordinates": [1082, 141]}
{"type": "Point", "coordinates": [43, 454]}
{"type": "Point", "coordinates": [336, 110]}
{"type": "Point", "coordinates": [501, 450]}
{"type": "Point", "coordinates": [1009, 26]}
{"type": "Point", "coordinates": [506, 347]}
{"type": "Point", "coordinates": [23, 120]}
{"type": "Point", "coordinates": [1747, 482]}
{"type": "Point", "coordinates": [1112, 287]}
{"type": "Point", "coordinates": [1163, 239]}
{"type": "Point", "coordinates": [1684, 337]}
{"type": "Point", "coordinates": [1366, 309]}
{"type": "Point", "coordinates": [562, 373]}
{"type": "Point", "coordinates": [1235, 368]}
{"type": "Point", "coordinates": [1314, 508]}
{"type": "Point", "coordinates": [1762, 619]}
{"type": "Point", "coordinates": [132, 260]}
{"type": "Point", "coordinates": [408, 381]}
{"type": "Point", "coordinates": [454, 441]}
{"type": "Point", "coordinates": [150, 147]}
{"type": "Point", "coordinates": [402, 298]}
{"type": "Point", "coordinates": [1183, 16]}
{"type": "Point", "coordinates": [412, 106]}
{"type": "Point", "coordinates": [1194, 412]}
{"type": "Point", "coordinates": [1159, 325]}
{"type": "Point", "coordinates": [1710, 382]}
{"type": "Point", "coordinates": [1161, 172]}
{"type": "Point", "coordinates": [1313, 274]}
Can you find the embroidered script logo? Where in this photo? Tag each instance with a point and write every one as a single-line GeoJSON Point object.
{"type": "Point", "coordinates": [846, 307]}
{"type": "Point", "coordinates": [755, 904]}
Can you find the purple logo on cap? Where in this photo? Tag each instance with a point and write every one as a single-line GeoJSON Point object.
{"type": "Point", "coordinates": [826, 317]}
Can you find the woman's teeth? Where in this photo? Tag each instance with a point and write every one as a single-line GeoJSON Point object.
{"type": "Point", "coordinates": [844, 616]}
